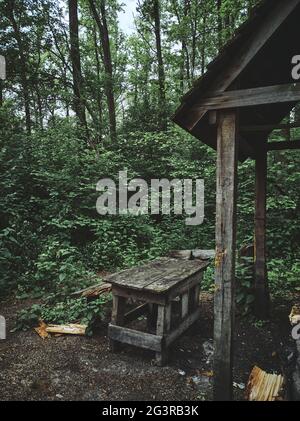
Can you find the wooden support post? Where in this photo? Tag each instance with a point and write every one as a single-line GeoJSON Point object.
{"type": "Point", "coordinates": [117, 317]}
{"type": "Point", "coordinates": [152, 317]}
{"type": "Point", "coordinates": [225, 254]}
{"type": "Point", "coordinates": [261, 283]}
{"type": "Point", "coordinates": [162, 329]}
{"type": "Point", "coordinates": [184, 305]}
{"type": "Point", "coordinates": [194, 298]}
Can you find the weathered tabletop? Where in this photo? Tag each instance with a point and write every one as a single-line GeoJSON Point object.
{"type": "Point", "coordinates": [158, 276]}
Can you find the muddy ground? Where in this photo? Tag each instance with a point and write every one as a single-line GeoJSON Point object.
{"type": "Point", "coordinates": [82, 368]}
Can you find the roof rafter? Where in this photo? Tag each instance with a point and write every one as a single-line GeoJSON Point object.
{"type": "Point", "coordinates": [250, 97]}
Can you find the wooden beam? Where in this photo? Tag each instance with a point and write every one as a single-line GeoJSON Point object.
{"type": "Point", "coordinates": [118, 310]}
{"type": "Point", "coordinates": [183, 326]}
{"type": "Point", "coordinates": [286, 145]}
{"type": "Point", "coordinates": [250, 97]}
{"type": "Point", "coordinates": [134, 337]}
{"type": "Point", "coordinates": [260, 268]}
{"type": "Point", "coordinates": [269, 127]}
{"type": "Point", "coordinates": [225, 254]}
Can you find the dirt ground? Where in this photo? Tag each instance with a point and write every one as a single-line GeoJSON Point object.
{"type": "Point", "coordinates": [82, 368]}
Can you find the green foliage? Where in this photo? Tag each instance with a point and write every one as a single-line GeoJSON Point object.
{"type": "Point", "coordinates": [244, 284]}
{"type": "Point", "coordinates": [284, 276]}
{"type": "Point", "coordinates": [52, 241]}
{"type": "Point", "coordinates": [208, 281]}
{"type": "Point", "coordinates": [68, 311]}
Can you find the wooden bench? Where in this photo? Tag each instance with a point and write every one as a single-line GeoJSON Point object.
{"type": "Point", "coordinates": [161, 286]}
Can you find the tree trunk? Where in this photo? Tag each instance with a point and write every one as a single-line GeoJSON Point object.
{"type": "Point", "coordinates": [79, 107]}
{"type": "Point", "coordinates": [220, 24]}
{"type": "Point", "coordinates": [107, 62]}
{"type": "Point", "coordinates": [203, 47]}
{"type": "Point", "coordinates": [161, 71]}
{"type": "Point", "coordinates": [23, 69]}
{"type": "Point", "coordinates": [99, 92]}
{"type": "Point", "coordinates": [1, 93]}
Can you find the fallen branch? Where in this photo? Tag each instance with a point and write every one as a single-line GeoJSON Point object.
{"type": "Point", "coordinates": [93, 291]}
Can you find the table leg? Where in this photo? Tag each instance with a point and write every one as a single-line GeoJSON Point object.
{"type": "Point", "coordinates": [117, 318]}
{"type": "Point", "coordinates": [162, 328]}
{"type": "Point", "coordinates": [152, 317]}
{"type": "Point", "coordinates": [194, 298]}
{"type": "Point", "coordinates": [185, 305]}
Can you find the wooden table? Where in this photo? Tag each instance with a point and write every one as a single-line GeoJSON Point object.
{"type": "Point", "coordinates": [160, 285]}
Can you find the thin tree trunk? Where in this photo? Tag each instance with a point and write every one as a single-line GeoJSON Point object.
{"type": "Point", "coordinates": [185, 59]}
{"type": "Point", "coordinates": [1, 93]}
{"type": "Point", "coordinates": [39, 104]}
{"type": "Point", "coordinates": [195, 33]}
{"type": "Point", "coordinates": [220, 24]}
{"type": "Point", "coordinates": [161, 71]}
{"type": "Point", "coordinates": [107, 62]}
{"type": "Point", "coordinates": [79, 107]}
{"type": "Point", "coordinates": [23, 70]}
{"type": "Point", "coordinates": [99, 92]}
{"type": "Point", "coordinates": [203, 47]}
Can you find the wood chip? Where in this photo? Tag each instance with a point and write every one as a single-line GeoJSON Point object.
{"type": "Point", "coordinates": [41, 330]}
{"type": "Point", "coordinates": [264, 387]}
{"type": "Point", "coordinates": [295, 315]}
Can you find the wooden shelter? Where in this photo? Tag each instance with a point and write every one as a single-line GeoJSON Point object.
{"type": "Point", "coordinates": [244, 95]}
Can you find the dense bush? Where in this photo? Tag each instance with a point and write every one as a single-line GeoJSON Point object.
{"type": "Point", "coordinates": [53, 240]}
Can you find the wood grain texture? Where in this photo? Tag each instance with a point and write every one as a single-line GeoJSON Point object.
{"type": "Point", "coordinates": [136, 338]}
{"type": "Point", "coordinates": [225, 254]}
{"type": "Point", "coordinates": [158, 276]}
{"type": "Point", "coordinates": [250, 97]}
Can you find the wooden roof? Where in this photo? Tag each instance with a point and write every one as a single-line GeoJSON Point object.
{"type": "Point", "coordinates": [259, 55]}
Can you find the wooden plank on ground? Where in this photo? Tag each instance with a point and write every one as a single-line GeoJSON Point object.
{"type": "Point", "coordinates": [70, 329]}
